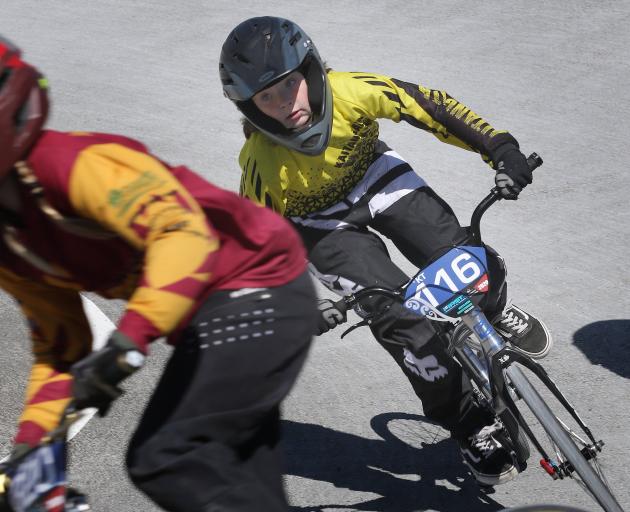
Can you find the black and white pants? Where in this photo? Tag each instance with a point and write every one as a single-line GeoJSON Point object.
{"type": "Point", "coordinates": [347, 254]}
{"type": "Point", "coordinates": [208, 440]}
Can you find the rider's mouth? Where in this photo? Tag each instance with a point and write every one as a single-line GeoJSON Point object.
{"type": "Point", "coordinates": [294, 116]}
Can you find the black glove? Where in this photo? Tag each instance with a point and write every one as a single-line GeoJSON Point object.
{"type": "Point", "coordinates": [513, 173]}
{"type": "Point", "coordinates": [329, 316]}
{"type": "Point", "coordinates": [96, 377]}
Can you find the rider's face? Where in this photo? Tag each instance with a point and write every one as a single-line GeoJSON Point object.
{"type": "Point", "coordinates": [286, 101]}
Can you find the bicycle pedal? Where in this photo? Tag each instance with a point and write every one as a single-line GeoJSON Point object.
{"type": "Point", "coordinates": [486, 489]}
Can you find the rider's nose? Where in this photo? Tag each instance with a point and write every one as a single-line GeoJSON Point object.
{"type": "Point", "coordinates": [286, 101]}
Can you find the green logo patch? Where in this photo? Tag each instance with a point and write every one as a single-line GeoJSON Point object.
{"type": "Point", "coordinates": [122, 199]}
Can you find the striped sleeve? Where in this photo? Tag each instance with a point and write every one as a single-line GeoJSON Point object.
{"type": "Point", "coordinates": [434, 111]}
{"type": "Point", "coordinates": [134, 195]}
{"type": "Point", "coordinates": [61, 335]}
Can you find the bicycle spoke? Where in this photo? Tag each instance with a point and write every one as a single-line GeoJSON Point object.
{"type": "Point", "coordinates": [595, 462]}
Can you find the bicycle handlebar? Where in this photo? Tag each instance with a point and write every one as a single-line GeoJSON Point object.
{"type": "Point", "coordinates": [349, 301]}
{"type": "Point", "coordinates": [533, 161]}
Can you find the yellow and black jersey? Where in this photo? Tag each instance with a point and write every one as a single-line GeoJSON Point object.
{"type": "Point", "coordinates": [295, 184]}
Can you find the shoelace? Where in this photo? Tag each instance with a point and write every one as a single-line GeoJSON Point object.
{"type": "Point", "coordinates": [513, 322]}
{"type": "Point", "coordinates": [483, 440]}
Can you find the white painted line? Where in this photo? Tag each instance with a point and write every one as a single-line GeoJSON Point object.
{"type": "Point", "coordinates": [101, 327]}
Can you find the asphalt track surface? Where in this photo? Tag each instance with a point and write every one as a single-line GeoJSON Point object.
{"type": "Point", "coordinates": [555, 74]}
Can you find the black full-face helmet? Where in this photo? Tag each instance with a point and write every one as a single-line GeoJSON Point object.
{"type": "Point", "coordinates": [258, 53]}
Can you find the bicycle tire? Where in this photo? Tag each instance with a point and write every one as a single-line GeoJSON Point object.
{"type": "Point", "coordinates": [544, 508]}
{"type": "Point", "coordinates": [518, 439]}
{"type": "Point", "coordinates": [598, 489]}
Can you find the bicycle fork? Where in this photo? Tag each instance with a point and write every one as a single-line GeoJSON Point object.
{"type": "Point", "coordinates": [557, 470]}
{"type": "Point", "coordinates": [489, 372]}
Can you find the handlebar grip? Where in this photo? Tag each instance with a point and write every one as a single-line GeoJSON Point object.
{"type": "Point", "coordinates": [533, 161]}
{"type": "Point", "coordinates": [341, 305]}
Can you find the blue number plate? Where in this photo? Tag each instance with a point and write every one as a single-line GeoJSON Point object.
{"type": "Point", "coordinates": [38, 483]}
{"type": "Point", "coordinates": [451, 283]}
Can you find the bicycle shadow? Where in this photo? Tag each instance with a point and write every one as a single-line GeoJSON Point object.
{"type": "Point", "coordinates": [414, 467]}
{"type": "Point", "coordinates": [606, 343]}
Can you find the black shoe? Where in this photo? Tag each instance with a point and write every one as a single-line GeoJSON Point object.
{"type": "Point", "coordinates": [486, 457]}
{"type": "Point", "coordinates": [524, 332]}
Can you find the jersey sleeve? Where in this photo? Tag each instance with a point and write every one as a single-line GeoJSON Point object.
{"type": "Point", "coordinates": [60, 335]}
{"type": "Point", "coordinates": [134, 195]}
{"type": "Point", "coordinates": [264, 188]}
{"type": "Point", "coordinates": [431, 110]}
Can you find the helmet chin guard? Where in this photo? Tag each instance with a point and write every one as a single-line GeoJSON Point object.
{"type": "Point", "coordinates": [258, 53]}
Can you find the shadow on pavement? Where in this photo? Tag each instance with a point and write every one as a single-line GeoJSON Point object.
{"type": "Point", "coordinates": [606, 343]}
{"type": "Point", "coordinates": [413, 466]}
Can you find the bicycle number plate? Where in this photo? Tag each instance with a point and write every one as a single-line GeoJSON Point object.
{"type": "Point", "coordinates": [38, 483]}
{"type": "Point", "coordinates": [451, 284]}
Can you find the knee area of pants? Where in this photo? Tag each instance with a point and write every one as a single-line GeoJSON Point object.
{"type": "Point", "coordinates": [135, 471]}
{"type": "Point", "coordinates": [141, 462]}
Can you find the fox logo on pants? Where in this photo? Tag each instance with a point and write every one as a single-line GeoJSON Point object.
{"type": "Point", "coordinates": [427, 367]}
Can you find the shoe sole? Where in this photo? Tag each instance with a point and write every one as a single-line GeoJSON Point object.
{"type": "Point", "coordinates": [538, 355]}
{"type": "Point", "coordinates": [492, 480]}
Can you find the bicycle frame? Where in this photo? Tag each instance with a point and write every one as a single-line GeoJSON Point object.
{"type": "Point", "coordinates": [494, 371]}
{"type": "Point", "coordinates": [488, 370]}
{"type": "Point", "coordinates": [498, 360]}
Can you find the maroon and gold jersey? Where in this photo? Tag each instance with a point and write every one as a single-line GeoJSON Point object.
{"type": "Point", "coordinates": [104, 215]}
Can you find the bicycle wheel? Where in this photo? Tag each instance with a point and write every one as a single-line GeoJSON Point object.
{"type": "Point", "coordinates": [567, 444]}
{"type": "Point", "coordinates": [517, 438]}
{"type": "Point", "coordinates": [520, 445]}
{"type": "Point", "coordinates": [543, 508]}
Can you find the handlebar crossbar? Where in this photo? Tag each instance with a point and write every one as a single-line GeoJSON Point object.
{"type": "Point", "coordinates": [348, 301]}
